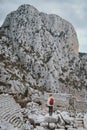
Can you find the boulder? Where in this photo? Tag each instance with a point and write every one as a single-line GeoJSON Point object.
{"type": "Point", "coordinates": [51, 119]}
{"type": "Point", "coordinates": [67, 119]}
{"type": "Point", "coordinates": [85, 120]}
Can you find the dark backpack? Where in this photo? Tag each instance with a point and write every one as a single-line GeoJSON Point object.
{"type": "Point", "coordinates": [51, 101]}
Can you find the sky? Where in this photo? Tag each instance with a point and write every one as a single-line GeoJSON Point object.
{"type": "Point", "coordinates": [74, 11]}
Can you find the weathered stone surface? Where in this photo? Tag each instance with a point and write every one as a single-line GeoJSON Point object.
{"type": "Point", "coordinates": [51, 119]}
{"type": "Point", "coordinates": [40, 51]}
{"type": "Point", "coordinates": [85, 120]}
{"type": "Point", "coordinates": [39, 128]}
{"type": "Point", "coordinates": [39, 54]}
{"type": "Point", "coordinates": [10, 111]}
{"type": "Point", "coordinates": [52, 125]}
{"type": "Point", "coordinates": [66, 117]}
{"type": "Point", "coordinates": [41, 44]}
{"type": "Point", "coordinates": [59, 129]}
{"type": "Point", "coordinates": [32, 117]}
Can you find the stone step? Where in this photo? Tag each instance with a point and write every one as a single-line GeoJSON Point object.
{"type": "Point", "coordinates": [12, 119]}
{"type": "Point", "coordinates": [6, 117]}
{"type": "Point", "coordinates": [10, 111]}
{"type": "Point", "coordinates": [17, 123]}
{"type": "Point", "coordinates": [11, 116]}
{"type": "Point", "coordinates": [79, 123]}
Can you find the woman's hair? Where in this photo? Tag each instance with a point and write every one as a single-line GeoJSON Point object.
{"type": "Point", "coordinates": [50, 94]}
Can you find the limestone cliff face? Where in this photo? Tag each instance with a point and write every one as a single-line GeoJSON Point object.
{"type": "Point", "coordinates": [37, 49]}
{"type": "Point", "coordinates": [29, 26]}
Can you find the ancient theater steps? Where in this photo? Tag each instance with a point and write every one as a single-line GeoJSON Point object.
{"type": "Point", "coordinates": [10, 111]}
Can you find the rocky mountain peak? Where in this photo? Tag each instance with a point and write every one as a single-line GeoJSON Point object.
{"type": "Point", "coordinates": [28, 23]}
{"type": "Point", "coordinates": [44, 46]}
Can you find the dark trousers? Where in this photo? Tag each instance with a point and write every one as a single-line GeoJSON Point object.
{"type": "Point", "coordinates": [50, 110]}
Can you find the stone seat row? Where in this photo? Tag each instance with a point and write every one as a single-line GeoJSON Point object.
{"type": "Point", "coordinates": [3, 113]}
{"type": "Point", "coordinates": [10, 111]}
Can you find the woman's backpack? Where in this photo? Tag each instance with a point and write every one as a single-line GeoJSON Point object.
{"type": "Point", "coordinates": [51, 101]}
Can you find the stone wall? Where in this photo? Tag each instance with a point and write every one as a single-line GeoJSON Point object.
{"type": "Point", "coordinates": [81, 106]}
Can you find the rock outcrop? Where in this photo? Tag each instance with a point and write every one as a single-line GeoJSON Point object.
{"type": "Point", "coordinates": [40, 44]}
